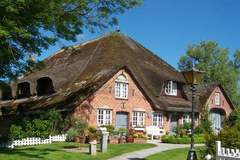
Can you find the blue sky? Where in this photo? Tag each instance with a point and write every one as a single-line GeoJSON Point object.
{"type": "Point", "coordinates": [167, 27]}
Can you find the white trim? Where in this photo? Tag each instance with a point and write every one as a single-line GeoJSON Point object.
{"type": "Point", "coordinates": [139, 109]}
{"type": "Point", "coordinates": [171, 88]}
{"type": "Point", "coordinates": [138, 119]}
{"type": "Point", "coordinates": [160, 119]}
{"type": "Point", "coordinates": [104, 116]}
{"type": "Point", "coordinates": [121, 87]}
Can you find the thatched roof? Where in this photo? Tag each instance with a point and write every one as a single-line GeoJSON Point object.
{"type": "Point", "coordinates": [79, 71]}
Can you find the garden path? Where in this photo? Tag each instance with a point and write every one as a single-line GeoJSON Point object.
{"type": "Point", "coordinates": [140, 155]}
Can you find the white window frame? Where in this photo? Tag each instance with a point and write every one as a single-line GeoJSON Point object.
{"type": "Point", "coordinates": [157, 119]}
{"type": "Point", "coordinates": [217, 98]}
{"type": "Point", "coordinates": [171, 88]}
{"type": "Point", "coordinates": [138, 119]}
{"type": "Point", "coordinates": [186, 118]}
{"type": "Point", "coordinates": [121, 87]}
{"type": "Point", "coordinates": [104, 117]}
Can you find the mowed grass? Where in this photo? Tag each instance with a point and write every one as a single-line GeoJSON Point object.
{"type": "Point", "coordinates": [56, 151]}
{"type": "Point", "coordinates": [175, 154]}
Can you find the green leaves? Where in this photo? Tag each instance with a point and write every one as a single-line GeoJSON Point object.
{"type": "Point", "coordinates": [42, 125]}
{"type": "Point", "coordinates": [29, 26]}
{"type": "Point", "coordinates": [218, 67]}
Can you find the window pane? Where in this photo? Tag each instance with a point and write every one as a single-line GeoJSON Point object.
{"type": "Point", "coordinates": [121, 90]}
{"type": "Point", "coordinates": [158, 119]}
{"type": "Point", "coordinates": [217, 98]}
{"type": "Point", "coordinates": [104, 117]}
{"type": "Point", "coordinates": [171, 88]}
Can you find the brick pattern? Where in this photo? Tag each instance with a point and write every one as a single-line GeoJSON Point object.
{"type": "Point", "coordinates": [105, 98]}
{"type": "Point", "coordinates": [224, 104]}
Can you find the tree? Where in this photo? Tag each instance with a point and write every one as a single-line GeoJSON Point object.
{"type": "Point", "coordinates": [219, 68]}
{"type": "Point", "coordinates": [29, 26]}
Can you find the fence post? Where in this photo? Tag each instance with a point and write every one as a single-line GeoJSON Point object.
{"type": "Point", "coordinates": [218, 150]}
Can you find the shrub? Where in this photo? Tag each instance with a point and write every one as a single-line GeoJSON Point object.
{"type": "Point", "coordinates": [110, 129]}
{"type": "Point", "coordinates": [16, 132]}
{"type": "Point", "coordinates": [140, 135]}
{"type": "Point", "coordinates": [234, 117]}
{"type": "Point", "coordinates": [230, 136]}
{"type": "Point", "coordinates": [183, 139]}
{"type": "Point", "coordinates": [71, 134]}
{"type": "Point", "coordinates": [93, 133]}
{"type": "Point", "coordinates": [205, 126]}
{"type": "Point", "coordinates": [42, 125]}
{"type": "Point", "coordinates": [123, 131]}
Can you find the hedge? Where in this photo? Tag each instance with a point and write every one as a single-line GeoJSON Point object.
{"type": "Point", "coordinates": [183, 140]}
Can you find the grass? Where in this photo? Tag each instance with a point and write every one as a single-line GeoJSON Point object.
{"type": "Point", "coordinates": [175, 154]}
{"type": "Point", "coordinates": [56, 151]}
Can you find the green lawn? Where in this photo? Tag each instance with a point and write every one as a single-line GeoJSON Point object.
{"type": "Point", "coordinates": [176, 154]}
{"type": "Point", "coordinates": [55, 151]}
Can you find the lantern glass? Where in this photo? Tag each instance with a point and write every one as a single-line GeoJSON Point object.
{"type": "Point", "coordinates": [193, 76]}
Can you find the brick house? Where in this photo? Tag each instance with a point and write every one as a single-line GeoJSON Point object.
{"type": "Point", "coordinates": [111, 80]}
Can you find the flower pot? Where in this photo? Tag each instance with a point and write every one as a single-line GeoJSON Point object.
{"type": "Point", "coordinates": [130, 139]}
{"type": "Point", "coordinates": [140, 140]}
{"type": "Point", "coordinates": [122, 139]}
{"type": "Point", "coordinates": [80, 139]}
{"type": "Point", "coordinates": [113, 140]}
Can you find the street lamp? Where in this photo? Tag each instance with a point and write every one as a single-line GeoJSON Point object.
{"type": "Point", "coordinates": [193, 77]}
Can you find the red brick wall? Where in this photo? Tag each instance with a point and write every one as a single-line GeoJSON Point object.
{"type": "Point", "coordinates": [105, 98]}
{"type": "Point", "coordinates": [224, 104]}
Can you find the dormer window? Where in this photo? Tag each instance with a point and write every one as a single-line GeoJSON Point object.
{"type": "Point", "coordinates": [171, 88]}
{"type": "Point", "coordinates": [121, 87]}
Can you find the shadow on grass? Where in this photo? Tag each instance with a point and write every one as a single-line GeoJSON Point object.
{"type": "Point", "coordinates": [28, 152]}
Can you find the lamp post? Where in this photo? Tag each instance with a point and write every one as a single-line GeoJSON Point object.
{"type": "Point", "coordinates": [193, 77]}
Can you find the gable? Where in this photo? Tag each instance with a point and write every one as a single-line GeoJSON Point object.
{"type": "Point", "coordinates": [223, 104]}
{"type": "Point", "coordinates": [105, 95]}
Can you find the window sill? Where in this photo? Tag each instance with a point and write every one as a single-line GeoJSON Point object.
{"type": "Point", "coordinates": [119, 98]}
{"type": "Point", "coordinates": [172, 95]}
{"type": "Point", "coordinates": [139, 128]}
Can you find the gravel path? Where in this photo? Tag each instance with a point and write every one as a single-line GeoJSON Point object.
{"type": "Point", "coordinates": [141, 154]}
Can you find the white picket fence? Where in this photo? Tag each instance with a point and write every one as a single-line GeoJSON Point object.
{"type": "Point", "coordinates": [226, 153]}
{"type": "Point", "coordinates": [34, 141]}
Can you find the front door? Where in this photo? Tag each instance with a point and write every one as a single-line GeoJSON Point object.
{"type": "Point", "coordinates": [174, 123]}
{"type": "Point", "coordinates": [217, 120]}
{"type": "Point", "coordinates": [122, 120]}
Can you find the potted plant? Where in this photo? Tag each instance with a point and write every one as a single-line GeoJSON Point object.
{"type": "Point", "coordinates": [140, 138]}
{"type": "Point", "coordinates": [130, 138]}
{"type": "Point", "coordinates": [122, 134]}
{"type": "Point", "coordinates": [114, 139]}
{"type": "Point", "coordinates": [78, 132]}
{"type": "Point", "coordinates": [93, 134]}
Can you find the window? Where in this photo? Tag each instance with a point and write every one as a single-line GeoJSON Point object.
{"type": "Point", "coordinates": [121, 87]}
{"type": "Point", "coordinates": [138, 119]}
{"type": "Point", "coordinates": [23, 90]}
{"type": "Point", "coordinates": [217, 98]}
{"type": "Point", "coordinates": [104, 117]}
{"type": "Point", "coordinates": [171, 88]}
{"type": "Point", "coordinates": [186, 118]}
{"type": "Point", "coordinates": [158, 119]}
{"type": "Point", "coordinates": [44, 86]}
